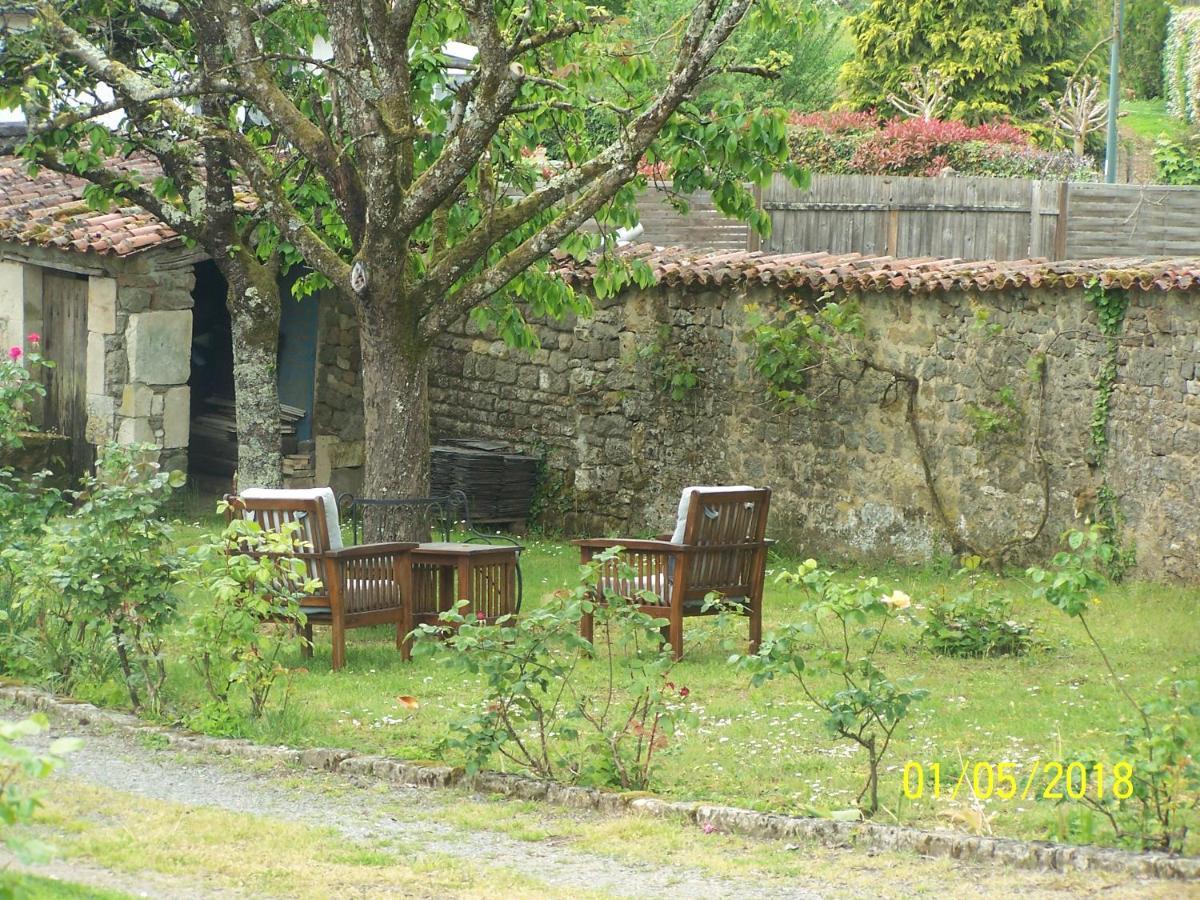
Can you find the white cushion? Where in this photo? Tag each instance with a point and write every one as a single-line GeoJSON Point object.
{"type": "Point", "coordinates": [324, 494]}
{"type": "Point", "coordinates": [685, 503]}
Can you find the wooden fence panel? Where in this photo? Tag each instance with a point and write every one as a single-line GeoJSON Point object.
{"type": "Point", "coordinates": [951, 218]}
{"type": "Point", "coordinates": [1132, 220]}
{"type": "Point", "coordinates": [704, 227]}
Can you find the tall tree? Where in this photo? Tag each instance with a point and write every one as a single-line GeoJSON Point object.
{"type": "Point", "coordinates": [412, 182]}
{"type": "Point", "coordinates": [147, 78]}
{"type": "Point", "coordinates": [1000, 58]}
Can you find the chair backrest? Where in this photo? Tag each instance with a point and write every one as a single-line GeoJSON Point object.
{"type": "Point", "coordinates": [728, 526]}
{"type": "Point", "coordinates": [273, 509]}
{"type": "Point", "coordinates": [314, 509]}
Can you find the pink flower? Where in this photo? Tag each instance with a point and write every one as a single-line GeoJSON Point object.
{"type": "Point", "coordinates": [34, 338]}
{"type": "Point", "coordinates": [480, 616]}
{"type": "Point", "coordinates": [14, 353]}
{"type": "Point", "coordinates": [683, 692]}
{"type": "Point", "coordinates": [708, 827]}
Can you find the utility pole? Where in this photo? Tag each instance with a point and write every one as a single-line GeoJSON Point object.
{"type": "Point", "coordinates": [1114, 92]}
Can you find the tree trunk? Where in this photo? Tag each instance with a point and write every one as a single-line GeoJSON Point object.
{"type": "Point", "coordinates": [396, 408]}
{"type": "Point", "coordinates": [254, 314]}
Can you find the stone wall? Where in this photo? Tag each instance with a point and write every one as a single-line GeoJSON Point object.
{"type": "Point", "coordinates": [848, 474]}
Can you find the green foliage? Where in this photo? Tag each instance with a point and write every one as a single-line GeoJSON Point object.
{"type": "Point", "coordinates": [1000, 58]}
{"type": "Point", "coordinates": [672, 371]}
{"type": "Point", "coordinates": [248, 588]}
{"type": "Point", "coordinates": [787, 345]}
{"type": "Point", "coordinates": [839, 640]}
{"type": "Point", "coordinates": [536, 713]}
{"type": "Point", "coordinates": [1160, 745]}
{"type": "Point", "coordinates": [1181, 64]}
{"type": "Point", "coordinates": [19, 766]}
{"type": "Point", "coordinates": [1177, 160]}
{"type": "Point", "coordinates": [977, 622]}
{"type": "Point", "coordinates": [1142, 47]}
{"type": "Point", "coordinates": [1002, 414]}
{"type": "Point", "coordinates": [98, 585]}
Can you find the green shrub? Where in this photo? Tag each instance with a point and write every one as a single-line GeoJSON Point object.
{"type": "Point", "coordinates": [1000, 57]}
{"type": "Point", "coordinates": [19, 767]}
{"type": "Point", "coordinates": [1151, 801]}
{"type": "Point", "coordinates": [536, 714]}
{"type": "Point", "coordinates": [100, 583]}
{"type": "Point", "coordinates": [976, 622]}
{"type": "Point", "coordinates": [1177, 161]}
{"type": "Point", "coordinates": [20, 390]}
{"type": "Point", "coordinates": [844, 625]}
{"type": "Point", "coordinates": [247, 617]}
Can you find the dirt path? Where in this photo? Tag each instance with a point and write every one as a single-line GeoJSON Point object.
{"type": "Point", "coordinates": [158, 823]}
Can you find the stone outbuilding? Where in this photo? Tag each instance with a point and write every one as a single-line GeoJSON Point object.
{"type": "Point", "coordinates": [136, 323]}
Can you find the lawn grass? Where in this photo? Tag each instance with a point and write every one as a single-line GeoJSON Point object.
{"type": "Point", "coordinates": [33, 887]}
{"type": "Point", "coordinates": [1149, 119]}
{"type": "Point", "coordinates": [766, 748]}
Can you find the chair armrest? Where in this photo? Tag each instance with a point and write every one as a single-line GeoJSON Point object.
{"type": "Point", "coordinates": [630, 544]}
{"type": "Point", "coordinates": [383, 549]}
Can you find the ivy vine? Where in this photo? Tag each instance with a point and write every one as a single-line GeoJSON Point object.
{"type": "Point", "coordinates": [1111, 305]}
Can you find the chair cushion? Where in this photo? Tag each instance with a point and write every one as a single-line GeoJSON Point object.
{"type": "Point", "coordinates": [685, 504]}
{"type": "Point", "coordinates": [324, 494]}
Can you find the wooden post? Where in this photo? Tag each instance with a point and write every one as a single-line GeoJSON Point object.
{"type": "Point", "coordinates": [893, 230]}
{"type": "Point", "coordinates": [1035, 220]}
{"type": "Point", "coordinates": [753, 240]}
{"type": "Point", "coordinates": [1060, 224]}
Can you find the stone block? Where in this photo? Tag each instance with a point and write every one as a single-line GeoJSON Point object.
{"type": "Point", "coordinates": [101, 412]}
{"type": "Point", "coordinates": [137, 400]}
{"type": "Point", "coordinates": [159, 345]}
{"type": "Point", "coordinates": [135, 430]}
{"type": "Point", "coordinates": [177, 417]}
{"type": "Point", "coordinates": [95, 364]}
{"type": "Point", "coordinates": [102, 304]}
{"type": "Point", "coordinates": [12, 304]}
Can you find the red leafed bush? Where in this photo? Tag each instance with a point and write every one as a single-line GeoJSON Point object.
{"type": "Point", "coordinates": [919, 146]}
{"type": "Point", "coordinates": [852, 143]}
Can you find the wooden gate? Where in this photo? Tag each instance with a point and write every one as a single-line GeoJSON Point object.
{"type": "Point", "coordinates": [64, 317]}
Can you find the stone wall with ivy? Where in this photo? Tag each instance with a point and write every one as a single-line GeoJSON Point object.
{"type": "Point", "coordinates": [949, 422]}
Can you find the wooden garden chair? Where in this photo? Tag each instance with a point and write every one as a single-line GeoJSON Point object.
{"type": "Point", "coordinates": [364, 585]}
{"type": "Point", "coordinates": [718, 546]}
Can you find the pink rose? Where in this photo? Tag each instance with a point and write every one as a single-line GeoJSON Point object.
{"type": "Point", "coordinates": [34, 338]}
{"type": "Point", "coordinates": [14, 353]}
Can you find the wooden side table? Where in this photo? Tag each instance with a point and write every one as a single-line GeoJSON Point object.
{"type": "Point", "coordinates": [486, 576]}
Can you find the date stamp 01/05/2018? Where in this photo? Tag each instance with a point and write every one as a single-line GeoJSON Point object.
{"type": "Point", "coordinates": [1019, 781]}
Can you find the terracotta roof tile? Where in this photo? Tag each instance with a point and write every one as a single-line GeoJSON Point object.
{"type": "Point", "coordinates": [854, 272]}
{"type": "Point", "coordinates": [48, 209]}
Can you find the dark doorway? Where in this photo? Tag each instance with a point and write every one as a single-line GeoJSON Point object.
{"type": "Point", "coordinates": [213, 447]}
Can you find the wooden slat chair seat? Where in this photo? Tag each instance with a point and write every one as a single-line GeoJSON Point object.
{"type": "Point", "coordinates": [718, 546]}
{"type": "Point", "coordinates": [364, 585]}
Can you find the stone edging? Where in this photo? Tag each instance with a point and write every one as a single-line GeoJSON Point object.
{"type": "Point", "coordinates": [1041, 855]}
